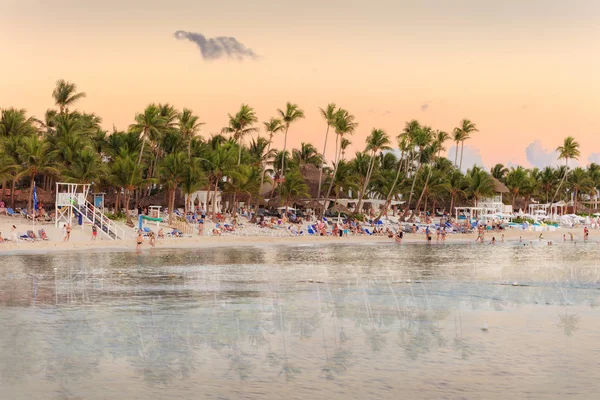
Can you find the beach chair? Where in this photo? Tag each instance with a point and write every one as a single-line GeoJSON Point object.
{"type": "Point", "coordinates": [11, 212]}
{"type": "Point", "coordinates": [368, 232]}
{"type": "Point", "coordinates": [311, 231]}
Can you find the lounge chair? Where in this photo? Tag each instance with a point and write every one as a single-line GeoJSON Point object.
{"type": "Point", "coordinates": [11, 212]}
{"type": "Point", "coordinates": [42, 234]}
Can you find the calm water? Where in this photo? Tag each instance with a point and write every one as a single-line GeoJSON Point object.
{"type": "Point", "coordinates": [331, 321]}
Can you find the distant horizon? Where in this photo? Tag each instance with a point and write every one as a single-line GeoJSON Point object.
{"type": "Point", "coordinates": [524, 72]}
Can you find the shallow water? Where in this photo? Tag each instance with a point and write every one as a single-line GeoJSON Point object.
{"type": "Point", "coordinates": [330, 321]}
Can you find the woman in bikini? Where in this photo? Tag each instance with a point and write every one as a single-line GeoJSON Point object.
{"type": "Point", "coordinates": [139, 241]}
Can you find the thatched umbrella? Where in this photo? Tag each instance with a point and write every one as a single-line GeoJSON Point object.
{"type": "Point", "coordinates": [43, 196]}
{"type": "Point", "coordinates": [338, 208]}
{"type": "Point", "coordinates": [314, 205]}
{"type": "Point", "coordinates": [275, 202]}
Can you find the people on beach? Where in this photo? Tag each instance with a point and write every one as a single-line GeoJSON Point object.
{"type": "Point", "coordinates": [94, 233]}
{"type": "Point", "coordinates": [13, 234]}
{"type": "Point", "coordinates": [399, 236]}
{"type": "Point", "coordinates": [586, 233]}
{"type": "Point", "coordinates": [200, 228]}
{"type": "Point", "coordinates": [152, 239]}
{"type": "Point", "coordinates": [139, 241]}
{"type": "Point", "coordinates": [493, 240]}
{"type": "Point", "coordinates": [1, 238]}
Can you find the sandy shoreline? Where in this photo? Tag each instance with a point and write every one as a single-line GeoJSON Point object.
{"type": "Point", "coordinates": [251, 236]}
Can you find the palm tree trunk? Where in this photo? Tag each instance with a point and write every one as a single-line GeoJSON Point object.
{"type": "Point", "coordinates": [239, 151]}
{"type": "Point", "coordinates": [332, 182]}
{"type": "Point", "coordinates": [424, 189]}
{"type": "Point", "coordinates": [142, 149]}
{"type": "Point", "coordinates": [456, 155]}
{"type": "Point", "coordinates": [284, 148]}
{"type": "Point", "coordinates": [117, 201]}
{"type": "Point", "coordinates": [388, 200]}
{"type": "Point", "coordinates": [30, 200]}
{"type": "Point", "coordinates": [451, 203]}
{"type": "Point", "coordinates": [12, 193]}
{"type": "Point", "coordinates": [264, 171]}
{"type": "Point", "coordinates": [462, 148]}
{"type": "Point", "coordinates": [364, 188]}
{"type": "Point", "coordinates": [412, 189]}
{"type": "Point", "coordinates": [561, 181]}
{"type": "Point", "coordinates": [214, 200]}
{"type": "Point", "coordinates": [322, 163]}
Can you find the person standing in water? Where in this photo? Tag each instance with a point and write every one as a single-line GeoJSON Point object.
{"type": "Point", "coordinates": [139, 241]}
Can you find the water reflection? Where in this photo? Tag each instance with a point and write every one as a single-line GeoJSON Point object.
{"type": "Point", "coordinates": [297, 316]}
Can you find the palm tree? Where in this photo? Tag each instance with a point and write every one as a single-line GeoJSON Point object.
{"type": "Point", "coordinates": [37, 157]}
{"type": "Point", "coordinates": [499, 171]}
{"type": "Point", "coordinates": [293, 187]}
{"type": "Point", "coordinates": [273, 126]}
{"type": "Point", "coordinates": [126, 174]}
{"type": "Point", "coordinates": [329, 114]}
{"type": "Point", "coordinates": [377, 141]}
{"type": "Point", "coordinates": [189, 125]}
{"type": "Point", "coordinates": [440, 138]}
{"type": "Point", "coordinates": [148, 125]}
{"type": "Point", "coordinates": [547, 179]}
{"type": "Point", "coordinates": [65, 94]}
{"type": "Point", "coordinates": [244, 180]}
{"type": "Point", "coordinates": [219, 163]}
{"type": "Point", "coordinates": [172, 170]}
{"type": "Point", "coordinates": [457, 186]}
{"type": "Point", "coordinates": [457, 137]}
{"type": "Point", "coordinates": [466, 128]}
{"type": "Point", "coordinates": [87, 167]}
{"type": "Point", "coordinates": [569, 150]}
{"type": "Point", "coordinates": [479, 184]}
{"type": "Point", "coordinates": [291, 114]}
{"type": "Point", "coordinates": [579, 182]}
{"type": "Point", "coordinates": [344, 144]}
{"type": "Point", "coordinates": [307, 154]}
{"type": "Point", "coordinates": [240, 125]}
{"type": "Point", "coordinates": [192, 180]}
{"type": "Point", "coordinates": [517, 181]}
{"type": "Point", "coordinates": [344, 125]}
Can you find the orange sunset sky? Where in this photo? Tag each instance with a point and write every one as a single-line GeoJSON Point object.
{"type": "Point", "coordinates": [525, 71]}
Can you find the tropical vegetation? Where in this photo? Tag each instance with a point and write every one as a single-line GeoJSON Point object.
{"type": "Point", "coordinates": [164, 153]}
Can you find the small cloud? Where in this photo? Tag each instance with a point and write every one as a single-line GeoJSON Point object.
{"type": "Point", "coordinates": [471, 156]}
{"type": "Point", "coordinates": [424, 107]}
{"type": "Point", "coordinates": [540, 157]}
{"type": "Point", "coordinates": [218, 48]}
{"type": "Point", "coordinates": [594, 158]}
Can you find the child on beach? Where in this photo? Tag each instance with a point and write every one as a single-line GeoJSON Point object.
{"type": "Point", "coordinates": [94, 233]}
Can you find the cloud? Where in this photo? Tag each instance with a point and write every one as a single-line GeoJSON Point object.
{"type": "Point", "coordinates": [218, 48]}
{"type": "Point", "coordinates": [471, 157]}
{"type": "Point", "coordinates": [540, 157]}
{"type": "Point", "coordinates": [594, 158]}
{"type": "Point", "coordinates": [424, 107]}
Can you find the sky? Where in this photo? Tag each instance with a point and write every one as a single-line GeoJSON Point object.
{"type": "Point", "coordinates": [525, 71]}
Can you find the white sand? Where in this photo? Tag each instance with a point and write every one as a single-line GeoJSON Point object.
{"type": "Point", "coordinates": [249, 235]}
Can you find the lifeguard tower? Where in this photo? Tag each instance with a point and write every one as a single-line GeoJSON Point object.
{"type": "Point", "coordinates": [71, 200]}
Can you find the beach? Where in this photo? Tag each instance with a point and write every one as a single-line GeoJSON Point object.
{"type": "Point", "coordinates": [249, 235]}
